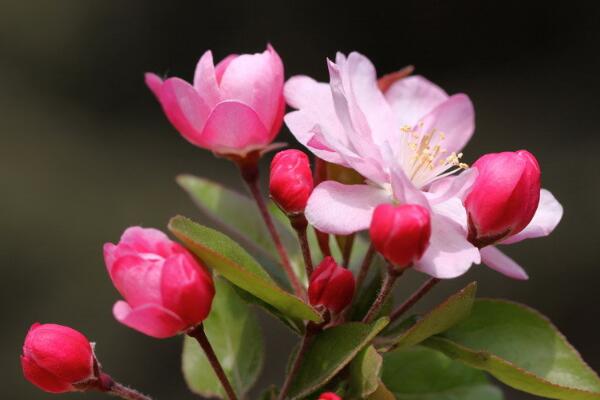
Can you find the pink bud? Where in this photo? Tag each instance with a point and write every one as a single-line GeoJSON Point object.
{"type": "Point", "coordinates": [233, 108]}
{"type": "Point", "coordinates": [504, 197]}
{"type": "Point", "coordinates": [329, 396]}
{"type": "Point", "coordinates": [166, 290]}
{"type": "Point", "coordinates": [331, 286]}
{"type": "Point", "coordinates": [400, 233]}
{"type": "Point", "coordinates": [56, 357]}
{"type": "Point", "coordinates": [291, 180]}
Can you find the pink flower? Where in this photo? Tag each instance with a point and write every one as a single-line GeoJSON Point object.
{"type": "Point", "coordinates": [331, 286]}
{"type": "Point", "coordinates": [329, 396]}
{"type": "Point", "coordinates": [234, 108]}
{"type": "Point", "coordinates": [401, 142]}
{"type": "Point", "coordinates": [291, 180]}
{"type": "Point", "coordinates": [401, 233]}
{"type": "Point", "coordinates": [56, 357]}
{"type": "Point", "coordinates": [506, 205]}
{"type": "Point", "coordinates": [166, 290]}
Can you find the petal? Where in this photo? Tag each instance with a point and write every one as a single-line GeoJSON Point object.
{"type": "Point", "coordinates": [343, 209]}
{"type": "Point", "coordinates": [404, 190]}
{"type": "Point", "coordinates": [138, 279]}
{"type": "Point", "coordinates": [498, 261]}
{"type": "Point", "coordinates": [234, 127]}
{"type": "Point", "coordinates": [185, 109]}
{"type": "Point", "coordinates": [151, 319]}
{"type": "Point", "coordinates": [256, 80]}
{"type": "Point", "coordinates": [42, 378]}
{"type": "Point", "coordinates": [146, 240]}
{"type": "Point", "coordinates": [452, 186]}
{"type": "Point", "coordinates": [154, 83]}
{"type": "Point", "coordinates": [454, 210]}
{"type": "Point", "coordinates": [222, 66]}
{"type": "Point", "coordinates": [187, 290]}
{"type": "Point", "coordinates": [412, 98]}
{"type": "Point", "coordinates": [449, 253]}
{"type": "Point", "coordinates": [206, 79]}
{"type": "Point", "coordinates": [545, 219]}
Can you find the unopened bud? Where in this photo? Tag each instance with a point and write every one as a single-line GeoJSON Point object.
{"type": "Point", "coordinates": [331, 286]}
{"type": "Point", "coordinates": [291, 181]}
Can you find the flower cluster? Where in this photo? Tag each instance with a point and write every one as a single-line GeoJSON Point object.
{"type": "Point", "coordinates": [388, 157]}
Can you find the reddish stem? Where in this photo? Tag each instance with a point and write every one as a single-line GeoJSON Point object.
{"type": "Point", "coordinates": [386, 288]}
{"type": "Point", "coordinates": [300, 225]}
{"type": "Point", "coordinates": [416, 296]}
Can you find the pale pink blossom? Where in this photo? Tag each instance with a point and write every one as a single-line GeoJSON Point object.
{"type": "Point", "coordinates": [232, 108]}
{"type": "Point", "coordinates": [402, 142]}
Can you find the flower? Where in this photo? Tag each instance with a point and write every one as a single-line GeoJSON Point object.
{"type": "Point", "coordinates": [400, 233]}
{"type": "Point", "coordinates": [331, 286]}
{"type": "Point", "coordinates": [506, 205]}
{"type": "Point", "coordinates": [401, 142]}
{"type": "Point", "coordinates": [329, 396]}
{"type": "Point", "coordinates": [291, 180]}
{"type": "Point", "coordinates": [166, 290]}
{"type": "Point", "coordinates": [56, 357]}
{"type": "Point", "coordinates": [232, 109]}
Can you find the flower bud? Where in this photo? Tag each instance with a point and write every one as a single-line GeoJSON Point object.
{"type": "Point", "coordinates": [504, 197]}
{"type": "Point", "coordinates": [400, 233]}
{"type": "Point", "coordinates": [291, 180]}
{"type": "Point", "coordinates": [56, 357]}
{"type": "Point", "coordinates": [329, 396]}
{"type": "Point", "coordinates": [166, 290]}
{"type": "Point", "coordinates": [331, 286]}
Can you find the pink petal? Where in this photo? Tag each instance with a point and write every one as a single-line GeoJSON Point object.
{"type": "Point", "coordinates": [404, 190]}
{"type": "Point", "coordinates": [449, 253]}
{"type": "Point", "coordinates": [206, 79]}
{"type": "Point", "coordinates": [343, 209]}
{"type": "Point", "coordinates": [256, 80]}
{"type": "Point", "coordinates": [452, 186]}
{"type": "Point", "coordinates": [138, 279]}
{"type": "Point", "coordinates": [186, 110]}
{"type": "Point", "coordinates": [234, 127]}
{"type": "Point", "coordinates": [498, 261]}
{"type": "Point", "coordinates": [145, 240]}
{"type": "Point", "coordinates": [187, 290]}
{"type": "Point", "coordinates": [455, 118]}
{"type": "Point", "coordinates": [42, 378]}
{"type": "Point", "coordinates": [154, 83]}
{"type": "Point", "coordinates": [412, 98]}
{"type": "Point", "coordinates": [151, 319]}
{"type": "Point", "coordinates": [222, 66]}
{"type": "Point", "coordinates": [545, 219]}
{"type": "Point", "coordinates": [454, 210]}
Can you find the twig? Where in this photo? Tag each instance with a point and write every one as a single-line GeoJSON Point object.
{"type": "Point", "coordinates": [386, 288]}
{"type": "Point", "coordinates": [416, 296]}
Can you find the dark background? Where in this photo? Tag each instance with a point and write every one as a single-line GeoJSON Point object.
{"type": "Point", "coordinates": [86, 150]}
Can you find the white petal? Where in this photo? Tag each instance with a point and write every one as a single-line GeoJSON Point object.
{"type": "Point", "coordinates": [343, 209]}
{"type": "Point", "coordinates": [412, 98]}
{"type": "Point", "coordinates": [545, 219]}
{"type": "Point", "coordinates": [498, 261]}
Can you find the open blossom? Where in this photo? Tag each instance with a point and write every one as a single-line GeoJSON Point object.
{"type": "Point", "coordinates": [166, 290]}
{"type": "Point", "coordinates": [506, 205]}
{"type": "Point", "coordinates": [401, 141]}
{"type": "Point", "coordinates": [56, 357]}
{"type": "Point", "coordinates": [233, 108]}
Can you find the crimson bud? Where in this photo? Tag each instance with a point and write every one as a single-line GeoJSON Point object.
{"type": "Point", "coordinates": [331, 286]}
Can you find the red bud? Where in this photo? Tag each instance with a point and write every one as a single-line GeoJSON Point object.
{"type": "Point", "coordinates": [291, 180]}
{"type": "Point", "coordinates": [331, 286]}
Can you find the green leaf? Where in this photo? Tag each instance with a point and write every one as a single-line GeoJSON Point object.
{"type": "Point", "coordinates": [365, 371]}
{"type": "Point", "coordinates": [521, 348]}
{"type": "Point", "coordinates": [381, 393]}
{"type": "Point", "coordinates": [231, 261]}
{"type": "Point", "coordinates": [330, 351]}
{"type": "Point", "coordinates": [453, 310]}
{"type": "Point", "coordinates": [234, 332]}
{"type": "Point", "coordinates": [419, 373]}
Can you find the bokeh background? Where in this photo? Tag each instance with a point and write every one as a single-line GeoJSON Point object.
{"type": "Point", "coordinates": [86, 151]}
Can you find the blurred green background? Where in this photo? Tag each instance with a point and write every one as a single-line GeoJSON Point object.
{"type": "Point", "coordinates": [86, 150]}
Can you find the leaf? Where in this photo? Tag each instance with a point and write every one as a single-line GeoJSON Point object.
{"type": "Point", "coordinates": [419, 373]}
{"type": "Point", "coordinates": [330, 351]}
{"type": "Point", "coordinates": [237, 266]}
{"type": "Point", "coordinates": [365, 371]}
{"type": "Point", "coordinates": [453, 310]}
{"type": "Point", "coordinates": [234, 332]}
{"type": "Point", "coordinates": [521, 348]}
{"type": "Point", "coordinates": [381, 393]}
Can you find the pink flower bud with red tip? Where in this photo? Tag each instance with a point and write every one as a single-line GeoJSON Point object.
{"type": "Point", "coordinates": [329, 396]}
{"type": "Point", "coordinates": [56, 358]}
{"type": "Point", "coordinates": [166, 290]}
{"type": "Point", "coordinates": [504, 197]}
{"type": "Point", "coordinates": [232, 108]}
{"type": "Point", "coordinates": [400, 233]}
{"type": "Point", "coordinates": [291, 180]}
{"type": "Point", "coordinates": [331, 286]}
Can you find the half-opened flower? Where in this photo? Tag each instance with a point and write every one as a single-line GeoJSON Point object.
{"type": "Point", "coordinates": [233, 108]}
{"type": "Point", "coordinates": [165, 288]}
{"type": "Point", "coordinates": [401, 142]}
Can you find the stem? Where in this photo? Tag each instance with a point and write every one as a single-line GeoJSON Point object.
{"type": "Point", "coordinates": [416, 296]}
{"type": "Point", "coordinates": [347, 250]}
{"type": "Point", "coordinates": [199, 334]}
{"type": "Point", "coordinates": [300, 224]}
{"type": "Point", "coordinates": [366, 264]}
{"type": "Point", "coordinates": [307, 339]}
{"type": "Point", "coordinates": [386, 288]}
{"type": "Point", "coordinates": [126, 393]}
{"type": "Point", "coordinates": [250, 176]}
